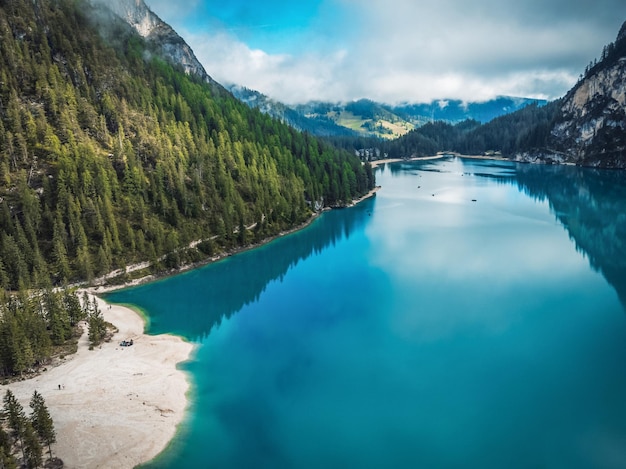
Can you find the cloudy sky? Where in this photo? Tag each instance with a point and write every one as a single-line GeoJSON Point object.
{"type": "Point", "coordinates": [396, 50]}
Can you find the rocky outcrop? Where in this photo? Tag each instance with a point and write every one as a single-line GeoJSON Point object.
{"type": "Point", "coordinates": [591, 128]}
{"type": "Point", "coordinates": [595, 119]}
{"type": "Point", "coordinates": [168, 44]}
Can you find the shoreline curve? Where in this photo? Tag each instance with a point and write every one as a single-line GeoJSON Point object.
{"type": "Point", "coordinates": [115, 406]}
{"type": "Point", "coordinates": [122, 406]}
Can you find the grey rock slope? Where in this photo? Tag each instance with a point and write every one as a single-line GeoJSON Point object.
{"type": "Point", "coordinates": [159, 34]}
{"type": "Point", "coordinates": [590, 129]}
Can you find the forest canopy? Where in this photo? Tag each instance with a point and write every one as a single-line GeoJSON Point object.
{"type": "Point", "coordinates": [110, 155]}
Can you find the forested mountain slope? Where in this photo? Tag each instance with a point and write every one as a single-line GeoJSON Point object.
{"type": "Point", "coordinates": [110, 154]}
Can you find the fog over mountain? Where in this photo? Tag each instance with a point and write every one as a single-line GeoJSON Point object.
{"type": "Point", "coordinates": [365, 117]}
{"type": "Point", "coordinates": [150, 27]}
{"type": "Point", "coordinates": [396, 50]}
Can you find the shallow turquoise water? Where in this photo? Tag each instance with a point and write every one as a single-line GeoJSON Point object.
{"type": "Point", "coordinates": [418, 329]}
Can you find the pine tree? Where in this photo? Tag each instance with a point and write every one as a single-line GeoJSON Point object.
{"type": "Point", "coordinates": [59, 251]}
{"type": "Point", "coordinates": [97, 325]}
{"type": "Point", "coordinates": [33, 453]}
{"type": "Point", "coordinates": [71, 303]}
{"type": "Point", "coordinates": [42, 422]}
{"type": "Point", "coordinates": [94, 179]}
{"type": "Point", "coordinates": [5, 446]}
{"type": "Point", "coordinates": [58, 320]}
{"type": "Point", "coordinates": [7, 461]}
{"type": "Point", "coordinates": [16, 418]}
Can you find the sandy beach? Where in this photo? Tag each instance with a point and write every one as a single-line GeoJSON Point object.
{"type": "Point", "coordinates": [117, 406]}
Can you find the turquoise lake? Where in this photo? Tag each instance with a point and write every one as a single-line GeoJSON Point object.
{"type": "Point", "coordinates": [471, 315]}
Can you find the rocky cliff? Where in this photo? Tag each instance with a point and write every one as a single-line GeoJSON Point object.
{"type": "Point", "coordinates": [590, 129]}
{"type": "Point", "coordinates": [156, 32]}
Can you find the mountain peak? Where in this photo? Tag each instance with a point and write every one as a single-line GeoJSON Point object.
{"type": "Point", "coordinates": [136, 13]}
{"type": "Point", "coordinates": [156, 32]}
{"type": "Point", "coordinates": [622, 32]}
{"type": "Point", "coordinates": [590, 130]}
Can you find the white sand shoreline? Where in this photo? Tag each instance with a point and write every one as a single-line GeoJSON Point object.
{"type": "Point", "coordinates": [118, 406]}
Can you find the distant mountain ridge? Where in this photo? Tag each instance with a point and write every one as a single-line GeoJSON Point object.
{"type": "Point", "coordinates": [318, 125]}
{"type": "Point", "coordinates": [454, 110]}
{"type": "Point", "coordinates": [365, 117]}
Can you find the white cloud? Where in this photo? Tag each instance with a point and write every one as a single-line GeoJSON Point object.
{"type": "Point", "coordinates": [340, 77]}
{"type": "Point", "coordinates": [288, 78]}
{"type": "Point", "coordinates": [407, 50]}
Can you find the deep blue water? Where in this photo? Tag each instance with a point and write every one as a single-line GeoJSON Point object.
{"type": "Point", "coordinates": [469, 316]}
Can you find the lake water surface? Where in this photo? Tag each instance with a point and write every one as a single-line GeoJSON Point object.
{"type": "Point", "coordinates": [471, 315]}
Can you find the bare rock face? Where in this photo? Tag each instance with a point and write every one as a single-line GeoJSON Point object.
{"type": "Point", "coordinates": [590, 126]}
{"type": "Point", "coordinates": [154, 30]}
{"type": "Point", "coordinates": [591, 130]}
{"type": "Point", "coordinates": [595, 114]}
